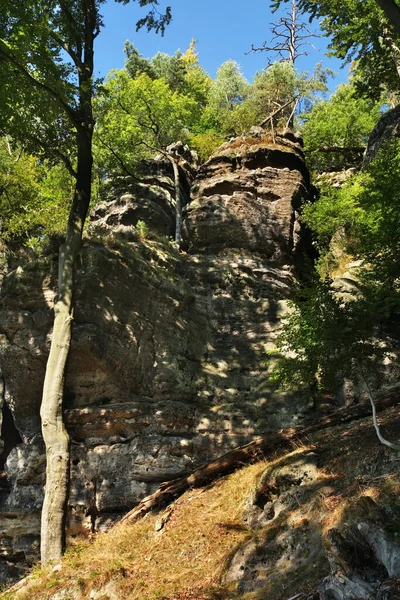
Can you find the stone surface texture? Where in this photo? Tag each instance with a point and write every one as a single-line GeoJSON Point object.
{"type": "Point", "coordinates": [150, 198]}
{"type": "Point", "coordinates": [359, 553]}
{"type": "Point", "coordinates": [168, 363]}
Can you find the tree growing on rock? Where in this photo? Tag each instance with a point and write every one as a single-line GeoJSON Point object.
{"type": "Point", "coordinates": [47, 50]}
{"type": "Point", "coordinates": [290, 36]}
{"type": "Point", "coordinates": [138, 118]}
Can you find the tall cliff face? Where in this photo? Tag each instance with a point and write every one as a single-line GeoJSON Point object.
{"type": "Point", "coordinates": [168, 364]}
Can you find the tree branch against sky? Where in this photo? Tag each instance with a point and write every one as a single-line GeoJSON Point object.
{"type": "Point", "coordinates": [289, 37]}
{"type": "Point", "coordinates": [365, 33]}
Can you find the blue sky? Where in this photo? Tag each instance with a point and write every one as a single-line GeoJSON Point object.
{"type": "Point", "coordinates": [223, 29]}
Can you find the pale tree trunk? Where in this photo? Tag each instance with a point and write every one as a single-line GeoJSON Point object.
{"type": "Point", "coordinates": [178, 202]}
{"type": "Point", "coordinates": [178, 195]}
{"type": "Point", "coordinates": [55, 436]}
{"type": "Point", "coordinates": [379, 435]}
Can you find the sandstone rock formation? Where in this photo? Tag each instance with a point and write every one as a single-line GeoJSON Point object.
{"type": "Point", "coordinates": [246, 197]}
{"type": "Point", "coordinates": [168, 363]}
{"type": "Point", "coordinates": [357, 559]}
{"type": "Point", "coordinates": [150, 199]}
{"type": "Point", "coordinates": [387, 127]}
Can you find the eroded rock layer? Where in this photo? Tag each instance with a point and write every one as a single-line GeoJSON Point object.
{"type": "Point", "coordinates": [246, 196]}
{"type": "Point", "coordinates": [168, 366]}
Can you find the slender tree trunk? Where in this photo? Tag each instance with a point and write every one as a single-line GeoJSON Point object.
{"type": "Point", "coordinates": [178, 202]}
{"type": "Point", "coordinates": [292, 34]}
{"type": "Point", "coordinates": [55, 436]}
{"type": "Point", "coordinates": [380, 437]}
{"type": "Point", "coordinates": [394, 49]}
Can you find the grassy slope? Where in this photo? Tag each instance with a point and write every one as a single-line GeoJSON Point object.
{"type": "Point", "coordinates": [187, 559]}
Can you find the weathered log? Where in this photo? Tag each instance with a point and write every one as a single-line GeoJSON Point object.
{"type": "Point", "coordinates": [252, 452]}
{"type": "Point", "coordinates": [337, 149]}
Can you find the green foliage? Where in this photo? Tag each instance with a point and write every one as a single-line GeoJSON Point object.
{"type": "Point", "coordinates": [227, 106]}
{"type": "Point", "coordinates": [46, 65]}
{"type": "Point", "coordinates": [280, 86]}
{"type": "Point", "coordinates": [337, 210]}
{"type": "Point", "coordinates": [229, 87]}
{"type": "Point", "coordinates": [151, 104]}
{"type": "Point", "coordinates": [366, 208]}
{"type": "Point", "coordinates": [135, 64]}
{"type": "Point", "coordinates": [137, 118]}
{"type": "Point", "coordinates": [142, 229]}
{"type": "Point", "coordinates": [34, 197]}
{"type": "Point", "coordinates": [322, 338]}
{"type": "Point", "coordinates": [170, 68]}
{"type": "Point", "coordinates": [206, 143]}
{"type": "Point", "coordinates": [343, 121]}
{"type": "Point", "coordinates": [360, 32]}
{"type": "Point", "coordinates": [181, 72]}
{"type": "Point", "coordinates": [273, 88]}
{"type": "Point", "coordinates": [197, 81]}
{"type": "Point", "coordinates": [326, 336]}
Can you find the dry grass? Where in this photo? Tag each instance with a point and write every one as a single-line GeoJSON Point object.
{"type": "Point", "coordinates": [189, 553]}
{"type": "Point", "coordinates": [187, 559]}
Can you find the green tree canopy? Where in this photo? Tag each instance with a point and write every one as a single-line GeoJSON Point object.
{"type": "Point", "coordinates": [336, 130]}
{"type": "Point", "coordinates": [276, 92]}
{"type": "Point", "coordinates": [135, 63]}
{"type": "Point", "coordinates": [137, 118]}
{"type": "Point", "coordinates": [34, 197]}
{"type": "Point", "coordinates": [181, 72]}
{"type": "Point", "coordinates": [229, 87]}
{"type": "Point", "coordinates": [367, 31]}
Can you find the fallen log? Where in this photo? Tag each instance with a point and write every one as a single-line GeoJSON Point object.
{"type": "Point", "coordinates": [252, 452]}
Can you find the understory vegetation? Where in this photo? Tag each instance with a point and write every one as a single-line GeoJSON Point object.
{"type": "Point", "coordinates": [349, 302]}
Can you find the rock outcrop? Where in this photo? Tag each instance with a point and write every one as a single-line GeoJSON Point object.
{"type": "Point", "coordinates": [246, 197]}
{"type": "Point", "coordinates": [356, 559]}
{"type": "Point", "coordinates": [168, 363]}
{"type": "Point", "coordinates": [150, 199]}
{"type": "Point", "coordinates": [387, 127]}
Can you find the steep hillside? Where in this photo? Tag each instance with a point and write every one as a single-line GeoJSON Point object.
{"type": "Point", "coordinates": [320, 521]}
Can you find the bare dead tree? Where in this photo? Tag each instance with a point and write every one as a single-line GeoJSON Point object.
{"type": "Point", "coordinates": [290, 36]}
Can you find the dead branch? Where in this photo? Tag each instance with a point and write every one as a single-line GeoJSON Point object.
{"type": "Point", "coordinates": [250, 453]}
{"type": "Point", "coordinates": [278, 110]}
